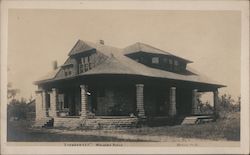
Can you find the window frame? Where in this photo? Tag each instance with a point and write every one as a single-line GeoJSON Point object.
{"type": "Point", "coordinates": [155, 60]}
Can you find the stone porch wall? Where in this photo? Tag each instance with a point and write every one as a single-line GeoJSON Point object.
{"type": "Point", "coordinates": [110, 123]}
{"type": "Point", "coordinates": [97, 123]}
{"type": "Point", "coordinates": [67, 122]}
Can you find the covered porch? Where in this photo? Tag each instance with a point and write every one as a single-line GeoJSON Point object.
{"type": "Point", "coordinates": [120, 98]}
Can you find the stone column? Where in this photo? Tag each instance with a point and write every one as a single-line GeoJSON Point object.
{"type": "Point", "coordinates": [39, 104]}
{"type": "Point", "coordinates": [53, 102]}
{"type": "Point", "coordinates": [84, 101]}
{"type": "Point", "coordinates": [216, 101]}
{"type": "Point", "coordinates": [194, 102]}
{"type": "Point", "coordinates": [139, 100]}
{"type": "Point", "coordinates": [172, 105]}
{"type": "Point", "coordinates": [44, 102]}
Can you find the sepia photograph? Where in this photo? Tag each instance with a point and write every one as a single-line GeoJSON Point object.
{"type": "Point", "coordinates": [104, 77]}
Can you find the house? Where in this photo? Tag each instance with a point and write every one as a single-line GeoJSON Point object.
{"type": "Point", "coordinates": [101, 84]}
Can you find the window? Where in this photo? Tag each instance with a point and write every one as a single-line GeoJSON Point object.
{"type": "Point", "coordinates": [155, 60]}
{"type": "Point", "coordinates": [86, 63]}
{"type": "Point", "coordinates": [182, 67]}
{"type": "Point", "coordinates": [91, 61]}
{"type": "Point", "coordinates": [170, 61]}
{"type": "Point", "coordinates": [176, 63]}
{"type": "Point", "coordinates": [81, 68]}
{"type": "Point", "coordinates": [61, 101]}
{"type": "Point", "coordinates": [165, 60]}
{"type": "Point", "coordinates": [67, 71]}
{"type": "Point", "coordinates": [142, 60]}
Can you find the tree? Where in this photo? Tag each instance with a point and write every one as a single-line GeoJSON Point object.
{"type": "Point", "coordinates": [17, 108]}
{"type": "Point", "coordinates": [204, 107]}
{"type": "Point", "coordinates": [11, 92]}
{"type": "Point", "coordinates": [226, 105]}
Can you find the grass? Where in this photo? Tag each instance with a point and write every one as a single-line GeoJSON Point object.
{"type": "Point", "coordinates": [226, 128]}
{"type": "Point", "coordinates": [19, 131]}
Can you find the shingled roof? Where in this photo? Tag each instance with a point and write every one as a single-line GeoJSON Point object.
{"type": "Point", "coordinates": [142, 47]}
{"type": "Point", "coordinates": [118, 63]}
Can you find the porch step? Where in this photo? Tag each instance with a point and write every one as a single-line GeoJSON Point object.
{"type": "Point", "coordinates": [44, 122]}
{"type": "Point", "coordinates": [197, 120]}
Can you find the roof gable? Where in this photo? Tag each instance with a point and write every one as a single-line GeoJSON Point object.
{"type": "Point", "coordinates": [79, 47]}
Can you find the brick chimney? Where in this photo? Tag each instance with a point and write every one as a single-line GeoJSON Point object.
{"type": "Point", "coordinates": [101, 42]}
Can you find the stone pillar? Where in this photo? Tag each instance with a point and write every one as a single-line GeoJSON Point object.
{"type": "Point", "coordinates": [216, 101]}
{"type": "Point", "coordinates": [194, 102]}
{"type": "Point", "coordinates": [172, 105]}
{"type": "Point", "coordinates": [39, 104]}
{"type": "Point", "coordinates": [53, 102]}
{"type": "Point", "coordinates": [139, 100]}
{"type": "Point", "coordinates": [44, 102]}
{"type": "Point", "coordinates": [84, 101]}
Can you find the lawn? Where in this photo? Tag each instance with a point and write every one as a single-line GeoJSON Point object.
{"type": "Point", "coordinates": [226, 128]}
{"type": "Point", "coordinates": [19, 131]}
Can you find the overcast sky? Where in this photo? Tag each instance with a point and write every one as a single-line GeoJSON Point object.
{"type": "Point", "coordinates": [209, 38]}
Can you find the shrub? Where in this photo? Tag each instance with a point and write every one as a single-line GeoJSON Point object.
{"type": "Point", "coordinates": [226, 105]}
{"type": "Point", "coordinates": [19, 109]}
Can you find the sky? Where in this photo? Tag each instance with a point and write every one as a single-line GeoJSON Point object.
{"type": "Point", "coordinates": [211, 39]}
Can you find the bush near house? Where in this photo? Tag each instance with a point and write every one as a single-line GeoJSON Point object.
{"type": "Point", "coordinates": [226, 105]}
{"type": "Point", "coordinates": [20, 109]}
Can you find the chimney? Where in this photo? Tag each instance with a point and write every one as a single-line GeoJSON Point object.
{"type": "Point", "coordinates": [101, 42]}
{"type": "Point", "coordinates": [54, 65]}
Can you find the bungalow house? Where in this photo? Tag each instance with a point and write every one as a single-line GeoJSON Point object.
{"type": "Point", "coordinates": [103, 85]}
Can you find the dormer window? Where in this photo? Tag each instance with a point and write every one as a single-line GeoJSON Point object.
{"type": "Point", "coordinates": [67, 71]}
{"type": "Point", "coordinates": [165, 60]}
{"type": "Point", "coordinates": [155, 60]}
{"type": "Point", "coordinates": [86, 63]}
{"type": "Point", "coordinates": [176, 63]}
{"type": "Point", "coordinates": [170, 62]}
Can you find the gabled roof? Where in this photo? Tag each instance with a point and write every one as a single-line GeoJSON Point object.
{"type": "Point", "coordinates": [79, 47]}
{"type": "Point", "coordinates": [142, 47]}
{"type": "Point", "coordinates": [118, 63]}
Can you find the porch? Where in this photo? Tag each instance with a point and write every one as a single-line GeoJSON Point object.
{"type": "Point", "coordinates": [83, 104]}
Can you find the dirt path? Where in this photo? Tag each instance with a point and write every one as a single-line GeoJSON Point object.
{"type": "Point", "coordinates": [149, 138]}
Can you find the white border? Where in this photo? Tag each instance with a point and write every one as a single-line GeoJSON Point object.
{"type": "Point", "coordinates": [134, 5]}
